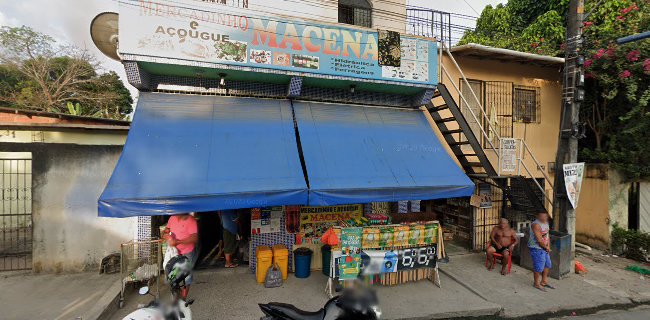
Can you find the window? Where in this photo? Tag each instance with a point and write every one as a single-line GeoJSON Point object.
{"type": "Point", "coordinates": [526, 105]}
{"type": "Point", "coordinates": [355, 12]}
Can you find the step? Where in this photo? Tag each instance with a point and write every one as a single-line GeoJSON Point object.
{"type": "Point", "coordinates": [446, 120]}
{"type": "Point", "coordinates": [467, 155]}
{"type": "Point", "coordinates": [439, 108]}
{"type": "Point", "coordinates": [451, 144]}
{"type": "Point", "coordinates": [475, 164]}
{"type": "Point", "coordinates": [451, 131]}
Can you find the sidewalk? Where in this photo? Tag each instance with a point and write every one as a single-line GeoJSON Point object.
{"type": "Point", "coordinates": [605, 284]}
{"type": "Point", "coordinates": [25, 295]}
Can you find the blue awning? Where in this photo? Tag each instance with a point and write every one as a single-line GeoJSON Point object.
{"type": "Point", "coordinates": [356, 154]}
{"type": "Point", "coordinates": [189, 153]}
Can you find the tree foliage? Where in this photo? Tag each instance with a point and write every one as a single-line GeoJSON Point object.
{"type": "Point", "coordinates": [617, 76]}
{"type": "Point", "coordinates": [38, 73]}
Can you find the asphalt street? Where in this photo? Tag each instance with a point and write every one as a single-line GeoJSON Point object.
{"type": "Point", "coordinates": [638, 313]}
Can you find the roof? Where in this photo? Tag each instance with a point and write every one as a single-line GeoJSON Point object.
{"type": "Point", "coordinates": [479, 51]}
{"type": "Point", "coordinates": [22, 119]}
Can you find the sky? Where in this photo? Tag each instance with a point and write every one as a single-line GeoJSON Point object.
{"type": "Point", "coordinates": [69, 20]}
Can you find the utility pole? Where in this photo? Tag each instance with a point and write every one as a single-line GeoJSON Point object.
{"type": "Point", "coordinates": [570, 127]}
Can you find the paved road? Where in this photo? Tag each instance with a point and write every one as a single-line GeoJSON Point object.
{"type": "Point", "coordinates": [638, 313]}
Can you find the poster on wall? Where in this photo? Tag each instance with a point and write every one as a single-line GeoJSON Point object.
{"type": "Point", "coordinates": [508, 159]}
{"type": "Point", "coordinates": [573, 173]}
{"type": "Point", "coordinates": [314, 221]}
{"type": "Point", "coordinates": [194, 34]}
{"type": "Point", "coordinates": [350, 264]}
{"type": "Point", "coordinates": [485, 194]}
{"type": "Point", "coordinates": [266, 220]}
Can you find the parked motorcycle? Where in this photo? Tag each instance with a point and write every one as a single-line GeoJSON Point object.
{"type": "Point", "coordinates": [176, 270]}
{"type": "Point", "coordinates": [359, 303]}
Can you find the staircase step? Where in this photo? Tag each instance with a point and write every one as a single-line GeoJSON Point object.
{"type": "Point", "coordinates": [446, 119]}
{"type": "Point", "coordinates": [475, 164]}
{"type": "Point", "coordinates": [467, 155]}
{"type": "Point", "coordinates": [458, 143]}
{"type": "Point", "coordinates": [451, 131]}
{"type": "Point", "coordinates": [439, 108]}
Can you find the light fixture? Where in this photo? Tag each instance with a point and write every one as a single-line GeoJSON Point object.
{"type": "Point", "coordinates": [222, 80]}
{"type": "Point", "coordinates": [352, 87]}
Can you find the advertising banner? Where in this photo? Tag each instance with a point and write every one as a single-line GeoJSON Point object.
{"type": "Point", "coordinates": [350, 264]}
{"type": "Point", "coordinates": [387, 261]}
{"type": "Point", "coordinates": [266, 220]}
{"type": "Point", "coordinates": [314, 221]}
{"type": "Point", "coordinates": [573, 173]}
{"type": "Point", "coordinates": [190, 33]}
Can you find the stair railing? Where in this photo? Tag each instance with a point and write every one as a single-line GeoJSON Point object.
{"type": "Point", "coordinates": [484, 118]}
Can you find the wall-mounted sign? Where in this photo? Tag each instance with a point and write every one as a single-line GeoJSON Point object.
{"type": "Point", "coordinates": [573, 173]}
{"type": "Point", "coordinates": [508, 159]}
{"type": "Point", "coordinates": [187, 33]}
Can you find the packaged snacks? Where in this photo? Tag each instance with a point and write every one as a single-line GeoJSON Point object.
{"type": "Point", "coordinates": [386, 239]}
{"type": "Point", "coordinates": [416, 236]}
{"type": "Point", "coordinates": [401, 238]}
{"type": "Point", "coordinates": [431, 233]}
{"type": "Point", "coordinates": [370, 239]}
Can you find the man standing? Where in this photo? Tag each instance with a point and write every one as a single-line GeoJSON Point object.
{"type": "Point", "coordinates": [539, 246]}
{"type": "Point", "coordinates": [182, 233]}
{"type": "Point", "coordinates": [229, 224]}
{"type": "Point", "coordinates": [503, 240]}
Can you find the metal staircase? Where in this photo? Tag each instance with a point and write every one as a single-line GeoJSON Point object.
{"type": "Point", "coordinates": [524, 193]}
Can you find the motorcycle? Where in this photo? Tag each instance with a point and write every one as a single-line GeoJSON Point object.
{"type": "Point", "coordinates": [358, 303]}
{"type": "Point", "coordinates": [176, 270]}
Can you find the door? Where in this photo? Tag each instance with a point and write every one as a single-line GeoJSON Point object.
{"type": "Point", "coordinates": [16, 211]}
{"type": "Point", "coordinates": [498, 106]}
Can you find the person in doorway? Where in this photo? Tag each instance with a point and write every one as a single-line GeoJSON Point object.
{"type": "Point", "coordinates": [229, 223]}
{"type": "Point", "coordinates": [182, 233]}
{"type": "Point", "coordinates": [502, 241]}
{"type": "Point", "coordinates": [539, 246]}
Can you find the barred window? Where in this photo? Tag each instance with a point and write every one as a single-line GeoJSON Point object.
{"type": "Point", "coordinates": [355, 12]}
{"type": "Point", "coordinates": [526, 106]}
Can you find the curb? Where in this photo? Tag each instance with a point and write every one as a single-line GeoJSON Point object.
{"type": "Point", "coordinates": [107, 304]}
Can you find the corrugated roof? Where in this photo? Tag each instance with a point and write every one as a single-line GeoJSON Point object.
{"type": "Point", "coordinates": [479, 51]}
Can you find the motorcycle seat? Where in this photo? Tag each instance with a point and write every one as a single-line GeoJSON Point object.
{"type": "Point", "coordinates": [288, 311]}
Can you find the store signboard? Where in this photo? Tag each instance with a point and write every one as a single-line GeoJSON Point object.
{"type": "Point", "coordinates": [573, 173]}
{"type": "Point", "coordinates": [190, 33]}
{"type": "Point", "coordinates": [508, 159]}
{"type": "Point", "coordinates": [314, 221]}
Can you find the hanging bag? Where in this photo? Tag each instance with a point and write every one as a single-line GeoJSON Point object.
{"type": "Point", "coordinates": [273, 277]}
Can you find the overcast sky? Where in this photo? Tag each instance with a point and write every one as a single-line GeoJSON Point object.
{"type": "Point", "coordinates": [69, 20]}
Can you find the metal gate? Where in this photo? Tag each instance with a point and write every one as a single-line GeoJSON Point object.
{"type": "Point", "coordinates": [498, 107]}
{"type": "Point", "coordinates": [16, 211]}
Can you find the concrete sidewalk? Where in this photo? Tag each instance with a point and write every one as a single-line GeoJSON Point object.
{"type": "Point", "coordinates": [604, 284]}
{"type": "Point", "coordinates": [25, 295]}
{"type": "Point", "coordinates": [234, 294]}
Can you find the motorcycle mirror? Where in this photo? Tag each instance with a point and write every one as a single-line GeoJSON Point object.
{"type": "Point", "coordinates": [144, 290]}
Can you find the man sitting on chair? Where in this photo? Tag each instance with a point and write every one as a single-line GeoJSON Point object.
{"type": "Point", "coordinates": [503, 240]}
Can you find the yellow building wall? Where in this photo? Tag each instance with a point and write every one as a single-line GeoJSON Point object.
{"type": "Point", "coordinates": [542, 137]}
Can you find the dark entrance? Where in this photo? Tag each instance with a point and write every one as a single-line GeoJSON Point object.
{"type": "Point", "coordinates": [15, 211]}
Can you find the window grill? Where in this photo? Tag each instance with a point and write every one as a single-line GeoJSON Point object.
{"type": "Point", "coordinates": [358, 13]}
{"type": "Point", "coordinates": [526, 104]}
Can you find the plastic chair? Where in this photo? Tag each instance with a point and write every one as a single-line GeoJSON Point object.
{"type": "Point", "coordinates": [499, 256]}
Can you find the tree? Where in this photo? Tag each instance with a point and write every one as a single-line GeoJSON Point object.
{"type": "Point", "coordinates": [38, 73]}
{"type": "Point", "coordinates": [617, 77]}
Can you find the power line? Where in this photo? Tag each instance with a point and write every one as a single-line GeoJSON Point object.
{"type": "Point", "coordinates": [471, 7]}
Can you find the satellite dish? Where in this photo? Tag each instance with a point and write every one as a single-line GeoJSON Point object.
{"type": "Point", "coordinates": [103, 31]}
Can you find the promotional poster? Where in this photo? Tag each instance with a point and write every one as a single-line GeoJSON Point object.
{"type": "Point", "coordinates": [573, 173]}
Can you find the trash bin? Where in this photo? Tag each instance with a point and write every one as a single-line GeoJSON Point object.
{"type": "Point", "coordinates": [326, 251]}
{"type": "Point", "coordinates": [302, 258]}
{"type": "Point", "coordinates": [281, 258]}
{"type": "Point", "coordinates": [561, 257]}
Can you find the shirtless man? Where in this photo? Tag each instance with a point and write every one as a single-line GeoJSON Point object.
{"type": "Point", "coordinates": [503, 240]}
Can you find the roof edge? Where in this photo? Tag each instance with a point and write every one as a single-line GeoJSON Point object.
{"type": "Point", "coordinates": [508, 52]}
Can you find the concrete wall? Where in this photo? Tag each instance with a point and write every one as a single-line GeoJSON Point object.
{"type": "Point", "coordinates": [67, 181]}
{"type": "Point", "coordinates": [603, 202]}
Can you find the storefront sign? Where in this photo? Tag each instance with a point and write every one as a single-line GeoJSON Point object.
{"type": "Point", "coordinates": [185, 32]}
{"type": "Point", "coordinates": [573, 173]}
{"type": "Point", "coordinates": [387, 261]}
{"type": "Point", "coordinates": [508, 159]}
{"type": "Point", "coordinates": [314, 221]}
{"type": "Point", "coordinates": [350, 264]}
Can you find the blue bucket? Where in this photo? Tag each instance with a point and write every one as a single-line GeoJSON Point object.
{"type": "Point", "coordinates": [302, 263]}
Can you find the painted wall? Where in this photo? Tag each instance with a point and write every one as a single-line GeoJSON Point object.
{"type": "Point", "coordinates": [67, 181]}
{"type": "Point", "coordinates": [117, 138]}
{"type": "Point", "coordinates": [603, 202]}
{"type": "Point", "coordinates": [542, 137]}
{"type": "Point", "coordinates": [644, 207]}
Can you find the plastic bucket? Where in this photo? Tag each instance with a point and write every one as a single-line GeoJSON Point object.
{"type": "Point", "coordinates": [326, 251]}
{"type": "Point", "coordinates": [302, 258]}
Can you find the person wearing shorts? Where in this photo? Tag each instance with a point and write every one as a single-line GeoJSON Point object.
{"type": "Point", "coordinates": [182, 233]}
{"type": "Point", "coordinates": [539, 246]}
{"type": "Point", "coordinates": [502, 241]}
{"type": "Point", "coordinates": [229, 224]}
